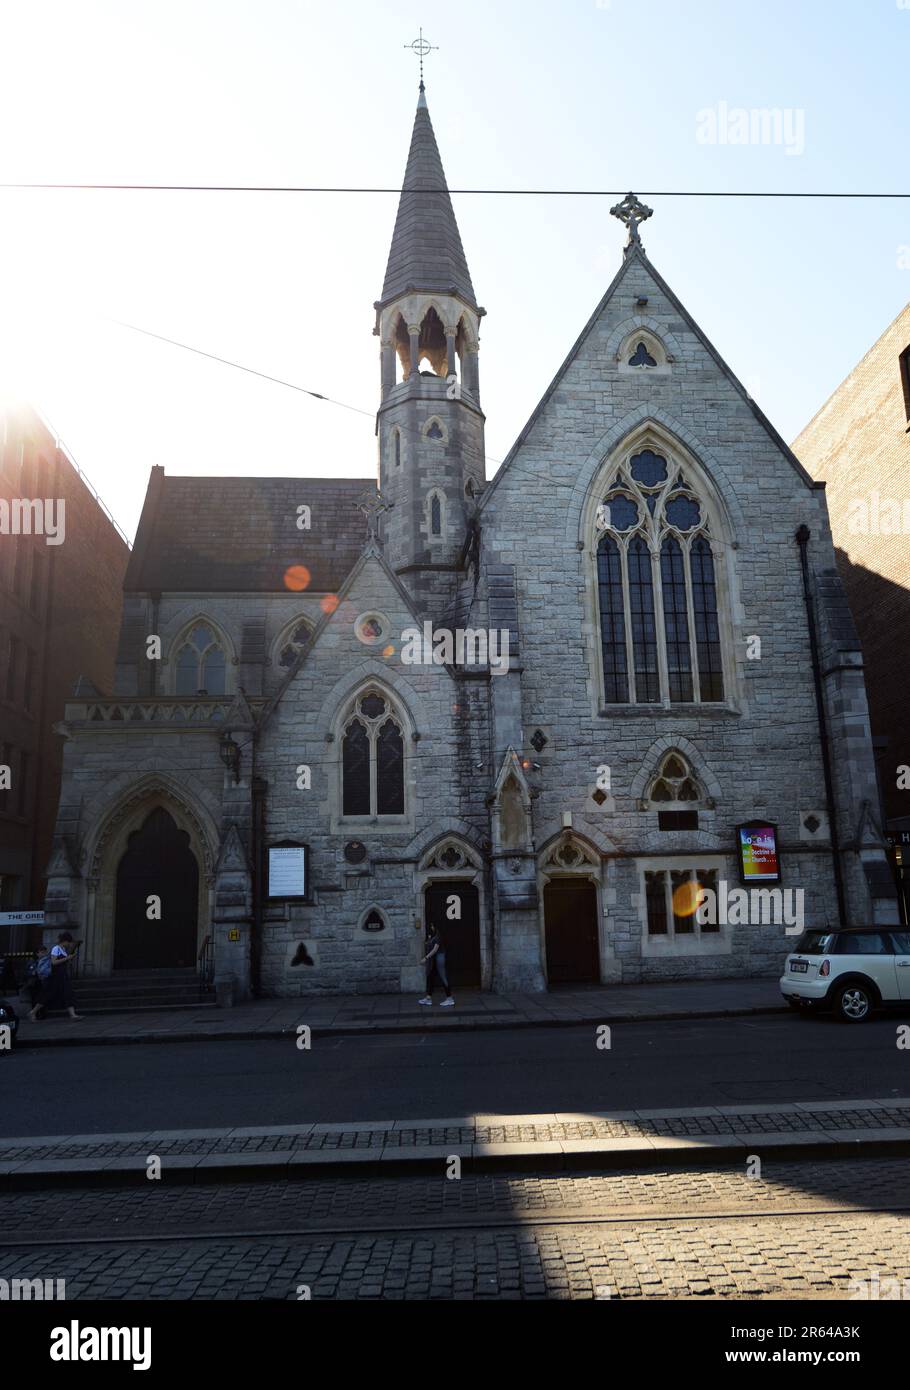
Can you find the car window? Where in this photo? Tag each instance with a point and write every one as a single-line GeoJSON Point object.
{"type": "Point", "coordinates": [867, 943]}
{"type": "Point", "coordinates": [813, 943]}
{"type": "Point", "coordinates": [901, 941]}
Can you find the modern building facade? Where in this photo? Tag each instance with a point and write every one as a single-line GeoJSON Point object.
{"type": "Point", "coordinates": [859, 444]}
{"type": "Point", "coordinates": [62, 562]}
{"type": "Point", "coordinates": [535, 709]}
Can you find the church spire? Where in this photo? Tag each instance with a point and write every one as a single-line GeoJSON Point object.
{"type": "Point", "coordinates": [426, 251]}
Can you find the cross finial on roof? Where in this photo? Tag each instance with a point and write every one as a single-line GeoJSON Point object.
{"type": "Point", "coordinates": [422, 48]}
{"type": "Point", "coordinates": [373, 504]}
{"type": "Point", "coordinates": [632, 211]}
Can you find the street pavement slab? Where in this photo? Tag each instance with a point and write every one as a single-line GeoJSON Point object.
{"type": "Point", "coordinates": [546, 1141]}
{"type": "Point", "coordinates": [384, 1013]}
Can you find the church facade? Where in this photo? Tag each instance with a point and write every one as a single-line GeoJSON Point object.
{"type": "Point", "coordinates": [540, 709]}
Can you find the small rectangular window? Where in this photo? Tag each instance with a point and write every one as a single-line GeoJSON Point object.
{"type": "Point", "coordinates": [677, 820]}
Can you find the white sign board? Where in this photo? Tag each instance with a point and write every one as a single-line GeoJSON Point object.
{"type": "Point", "coordinates": [27, 917]}
{"type": "Point", "coordinates": [287, 871]}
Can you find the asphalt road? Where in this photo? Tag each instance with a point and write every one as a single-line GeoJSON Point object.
{"type": "Point", "coordinates": [84, 1090]}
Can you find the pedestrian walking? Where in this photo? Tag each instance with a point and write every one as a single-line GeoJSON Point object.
{"type": "Point", "coordinates": [435, 959]}
{"type": "Point", "coordinates": [59, 993]}
{"type": "Point", "coordinates": [39, 972]}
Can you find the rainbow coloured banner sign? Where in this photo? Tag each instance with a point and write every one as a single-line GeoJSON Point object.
{"type": "Point", "coordinates": [759, 860]}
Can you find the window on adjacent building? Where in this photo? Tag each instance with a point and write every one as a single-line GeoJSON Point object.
{"type": "Point", "coordinates": [659, 623]}
{"type": "Point", "coordinates": [672, 899]}
{"type": "Point", "coordinates": [21, 556]}
{"type": "Point", "coordinates": [22, 796]}
{"type": "Point", "coordinates": [905, 379]}
{"type": "Point", "coordinates": [201, 666]}
{"type": "Point", "coordinates": [27, 673]}
{"type": "Point", "coordinates": [6, 761]}
{"type": "Point", "coordinates": [34, 601]}
{"type": "Point", "coordinates": [372, 759]}
{"type": "Point", "coordinates": [12, 668]}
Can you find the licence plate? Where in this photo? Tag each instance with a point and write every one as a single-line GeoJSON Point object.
{"type": "Point", "coordinates": [800, 966]}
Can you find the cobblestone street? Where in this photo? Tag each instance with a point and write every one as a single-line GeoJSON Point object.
{"type": "Point", "coordinates": [641, 1235]}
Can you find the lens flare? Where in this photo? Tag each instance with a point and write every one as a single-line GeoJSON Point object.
{"type": "Point", "coordinates": [685, 898]}
{"type": "Point", "coordinates": [296, 578]}
{"type": "Point", "coordinates": [329, 603]}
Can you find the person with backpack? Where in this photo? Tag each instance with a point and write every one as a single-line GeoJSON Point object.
{"type": "Point", "coordinates": [435, 959]}
{"type": "Point", "coordinates": [59, 993]}
{"type": "Point", "coordinates": [39, 973]}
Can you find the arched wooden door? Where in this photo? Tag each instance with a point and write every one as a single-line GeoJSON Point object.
{"type": "Point", "coordinates": [570, 922]}
{"type": "Point", "coordinates": [158, 862]}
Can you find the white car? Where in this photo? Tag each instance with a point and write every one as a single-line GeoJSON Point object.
{"type": "Point", "coordinates": [851, 970]}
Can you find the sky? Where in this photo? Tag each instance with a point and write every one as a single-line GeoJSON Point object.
{"type": "Point", "coordinates": [561, 94]}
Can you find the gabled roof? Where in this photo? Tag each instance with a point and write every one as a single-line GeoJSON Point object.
{"type": "Point", "coordinates": [426, 251]}
{"type": "Point", "coordinates": [636, 254]}
{"type": "Point", "coordinates": [213, 535]}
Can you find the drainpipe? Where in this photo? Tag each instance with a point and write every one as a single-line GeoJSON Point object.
{"type": "Point", "coordinates": [259, 788]}
{"type": "Point", "coordinates": [802, 540]}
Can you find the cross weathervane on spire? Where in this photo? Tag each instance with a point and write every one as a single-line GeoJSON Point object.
{"type": "Point", "coordinates": [632, 211]}
{"type": "Point", "coordinates": [372, 504]}
{"type": "Point", "coordinates": [421, 48]}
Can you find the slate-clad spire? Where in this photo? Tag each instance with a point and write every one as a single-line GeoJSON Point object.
{"type": "Point", "coordinates": [426, 251]}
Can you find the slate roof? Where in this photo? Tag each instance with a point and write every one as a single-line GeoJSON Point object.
{"type": "Point", "coordinates": [240, 534]}
{"type": "Point", "coordinates": [426, 251]}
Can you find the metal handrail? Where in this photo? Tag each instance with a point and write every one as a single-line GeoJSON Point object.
{"type": "Point", "coordinates": [205, 964]}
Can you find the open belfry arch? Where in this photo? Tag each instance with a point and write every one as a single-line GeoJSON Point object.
{"type": "Point", "coordinates": [634, 561]}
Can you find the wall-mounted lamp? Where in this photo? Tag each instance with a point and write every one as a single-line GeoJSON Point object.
{"type": "Point", "coordinates": [230, 754]}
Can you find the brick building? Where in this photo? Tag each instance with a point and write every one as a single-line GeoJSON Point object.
{"type": "Point", "coordinates": [315, 744]}
{"type": "Point", "coordinates": [859, 444]}
{"type": "Point", "coordinates": [61, 572]}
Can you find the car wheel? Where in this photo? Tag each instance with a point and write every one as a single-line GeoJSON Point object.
{"type": "Point", "coordinates": [854, 1003]}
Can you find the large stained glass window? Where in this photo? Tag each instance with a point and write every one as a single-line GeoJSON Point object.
{"type": "Point", "coordinates": [372, 759]}
{"type": "Point", "coordinates": [656, 583]}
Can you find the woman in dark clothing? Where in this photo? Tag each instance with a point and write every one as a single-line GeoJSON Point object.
{"type": "Point", "coordinates": [59, 987]}
{"type": "Point", "coordinates": [436, 965]}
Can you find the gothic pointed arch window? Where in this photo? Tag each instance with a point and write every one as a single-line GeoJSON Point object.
{"type": "Point", "coordinates": [293, 643]}
{"type": "Point", "coordinates": [372, 757]}
{"type": "Point", "coordinates": [659, 618]}
{"type": "Point", "coordinates": [436, 515]}
{"type": "Point", "coordinates": [201, 666]}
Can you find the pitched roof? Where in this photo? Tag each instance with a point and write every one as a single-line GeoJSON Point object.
{"type": "Point", "coordinates": [633, 255]}
{"type": "Point", "coordinates": [240, 534]}
{"type": "Point", "coordinates": [426, 251]}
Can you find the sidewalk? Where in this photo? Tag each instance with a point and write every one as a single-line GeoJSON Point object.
{"type": "Point", "coordinates": [400, 1013]}
{"type": "Point", "coordinates": [552, 1142]}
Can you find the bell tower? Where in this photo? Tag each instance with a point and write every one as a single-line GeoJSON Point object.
{"type": "Point", "coordinates": [430, 424]}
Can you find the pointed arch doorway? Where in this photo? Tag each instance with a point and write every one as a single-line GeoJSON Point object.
{"type": "Point", "coordinates": [159, 862]}
{"type": "Point", "coordinates": [462, 932]}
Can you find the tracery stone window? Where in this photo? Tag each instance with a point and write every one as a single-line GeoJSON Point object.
{"type": "Point", "coordinates": [641, 357]}
{"type": "Point", "coordinates": [201, 666]}
{"type": "Point", "coordinates": [297, 642]}
{"type": "Point", "coordinates": [675, 782]}
{"type": "Point", "coordinates": [372, 758]}
{"type": "Point", "coordinates": [657, 591]}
